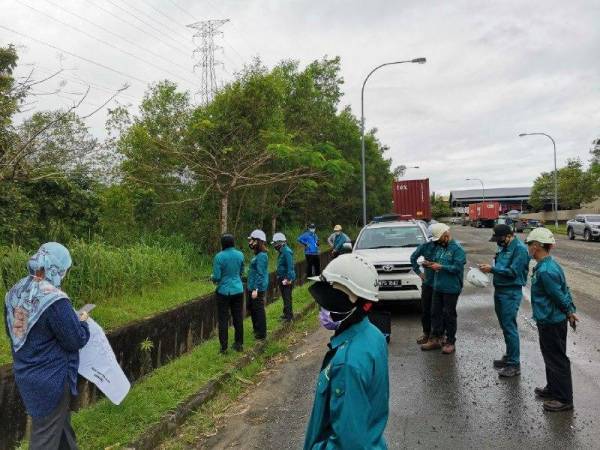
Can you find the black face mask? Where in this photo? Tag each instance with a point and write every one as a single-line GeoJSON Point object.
{"type": "Point", "coordinates": [252, 245]}
{"type": "Point", "coordinates": [502, 243]}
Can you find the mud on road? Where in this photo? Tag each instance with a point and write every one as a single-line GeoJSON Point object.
{"type": "Point", "coordinates": [456, 401]}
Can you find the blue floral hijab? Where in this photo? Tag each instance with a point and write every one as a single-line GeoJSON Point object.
{"type": "Point", "coordinates": [30, 297]}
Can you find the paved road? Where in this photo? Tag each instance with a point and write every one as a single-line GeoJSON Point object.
{"type": "Point", "coordinates": [453, 401]}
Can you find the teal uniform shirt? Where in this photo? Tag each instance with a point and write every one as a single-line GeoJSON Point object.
{"type": "Point", "coordinates": [285, 264]}
{"type": "Point", "coordinates": [351, 400]}
{"type": "Point", "coordinates": [449, 280]}
{"type": "Point", "coordinates": [511, 266]}
{"type": "Point", "coordinates": [339, 241]}
{"type": "Point", "coordinates": [228, 267]}
{"type": "Point", "coordinates": [551, 299]}
{"type": "Point", "coordinates": [426, 250]}
{"type": "Point", "coordinates": [258, 275]}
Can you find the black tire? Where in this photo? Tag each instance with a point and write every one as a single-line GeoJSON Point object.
{"type": "Point", "coordinates": [587, 236]}
{"type": "Point", "coordinates": [571, 234]}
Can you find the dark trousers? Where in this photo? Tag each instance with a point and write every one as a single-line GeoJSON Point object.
{"type": "Point", "coordinates": [286, 295]}
{"type": "Point", "coordinates": [313, 265]}
{"type": "Point", "coordinates": [233, 304]}
{"type": "Point", "coordinates": [443, 315]}
{"type": "Point", "coordinates": [256, 306]}
{"type": "Point", "coordinates": [553, 343]}
{"type": "Point", "coordinates": [54, 432]}
{"type": "Point", "coordinates": [426, 298]}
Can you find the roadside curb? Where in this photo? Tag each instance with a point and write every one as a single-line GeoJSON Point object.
{"type": "Point", "coordinates": [168, 424]}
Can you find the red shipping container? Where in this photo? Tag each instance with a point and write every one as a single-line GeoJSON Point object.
{"type": "Point", "coordinates": [411, 198]}
{"type": "Point", "coordinates": [484, 211]}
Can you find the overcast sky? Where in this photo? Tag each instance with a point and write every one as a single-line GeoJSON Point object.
{"type": "Point", "coordinates": [494, 68]}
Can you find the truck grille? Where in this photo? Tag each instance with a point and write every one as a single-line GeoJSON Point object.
{"type": "Point", "coordinates": [393, 268]}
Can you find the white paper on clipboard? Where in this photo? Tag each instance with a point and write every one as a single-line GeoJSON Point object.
{"type": "Point", "coordinates": [98, 364]}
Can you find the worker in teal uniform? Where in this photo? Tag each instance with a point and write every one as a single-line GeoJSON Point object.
{"type": "Point", "coordinates": [510, 269]}
{"type": "Point", "coordinates": [228, 268]}
{"type": "Point", "coordinates": [553, 308]}
{"type": "Point", "coordinates": [286, 274]}
{"type": "Point", "coordinates": [350, 410]}
{"type": "Point", "coordinates": [448, 265]}
{"type": "Point", "coordinates": [427, 251]}
{"type": "Point", "coordinates": [338, 241]}
{"type": "Point", "coordinates": [258, 283]}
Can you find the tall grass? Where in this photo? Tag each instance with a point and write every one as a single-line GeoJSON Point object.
{"type": "Point", "coordinates": [101, 271]}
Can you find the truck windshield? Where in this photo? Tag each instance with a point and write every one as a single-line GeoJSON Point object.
{"type": "Point", "coordinates": [593, 218]}
{"type": "Point", "coordinates": [390, 237]}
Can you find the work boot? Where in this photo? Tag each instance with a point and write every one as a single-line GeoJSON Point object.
{"type": "Point", "coordinates": [500, 363]}
{"type": "Point", "coordinates": [557, 406]}
{"type": "Point", "coordinates": [448, 348]}
{"type": "Point", "coordinates": [543, 392]}
{"type": "Point", "coordinates": [432, 344]}
{"type": "Point", "coordinates": [238, 347]}
{"type": "Point", "coordinates": [223, 351]}
{"type": "Point", "coordinates": [509, 370]}
{"type": "Point", "coordinates": [423, 339]}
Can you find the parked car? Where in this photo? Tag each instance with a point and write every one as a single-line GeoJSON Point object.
{"type": "Point", "coordinates": [388, 246]}
{"type": "Point", "coordinates": [523, 225]}
{"type": "Point", "coordinates": [456, 220]}
{"type": "Point", "coordinates": [585, 225]}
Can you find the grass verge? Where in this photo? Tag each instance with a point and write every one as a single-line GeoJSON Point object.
{"type": "Point", "coordinates": [115, 312]}
{"type": "Point", "coordinates": [206, 420]}
{"type": "Point", "coordinates": [561, 229]}
{"type": "Point", "coordinates": [103, 424]}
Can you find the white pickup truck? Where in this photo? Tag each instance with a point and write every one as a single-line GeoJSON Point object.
{"type": "Point", "coordinates": [388, 244]}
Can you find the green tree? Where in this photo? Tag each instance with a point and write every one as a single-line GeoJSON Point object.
{"type": "Point", "coordinates": [574, 187]}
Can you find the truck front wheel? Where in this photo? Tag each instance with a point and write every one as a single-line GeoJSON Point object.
{"type": "Point", "coordinates": [570, 234]}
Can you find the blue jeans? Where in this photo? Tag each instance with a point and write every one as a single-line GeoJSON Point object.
{"type": "Point", "coordinates": [507, 301]}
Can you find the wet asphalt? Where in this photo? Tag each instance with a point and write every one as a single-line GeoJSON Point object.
{"type": "Point", "coordinates": [456, 401]}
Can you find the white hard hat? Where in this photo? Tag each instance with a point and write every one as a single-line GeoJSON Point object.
{"type": "Point", "coordinates": [541, 235]}
{"type": "Point", "coordinates": [258, 234]}
{"type": "Point", "coordinates": [437, 230]}
{"type": "Point", "coordinates": [353, 274]}
{"type": "Point", "coordinates": [279, 237]}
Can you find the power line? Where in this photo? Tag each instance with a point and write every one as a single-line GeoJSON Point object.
{"type": "Point", "coordinates": [109, 12]}
{"type": "Point", "coordinates": [183, 35]}
{"type": "Point", "coordinates": [149, 25]}
{"type": "Point", "coordinates": [83, 58]}
{"type": "Point", "coordinates": [129, 41]}
{"type": "Point", "coordinates": [102, 41]}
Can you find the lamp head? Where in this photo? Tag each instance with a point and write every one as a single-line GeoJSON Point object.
{"type": "Point", "coordinates": [419, 60]}
{"type": "Point", "coordinates": [522, 134]}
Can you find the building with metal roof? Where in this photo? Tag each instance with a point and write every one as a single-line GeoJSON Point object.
{"type": "Point", "coordinates": [509, 198]}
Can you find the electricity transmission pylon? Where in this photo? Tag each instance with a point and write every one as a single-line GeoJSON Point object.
{"type": "Point", "coordinates": [205, 34]}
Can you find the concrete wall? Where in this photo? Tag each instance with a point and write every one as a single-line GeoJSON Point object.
{"type": "Point", "coordinates": [172, 334]}
{"type": "Point", "coordinates": [567, 214]}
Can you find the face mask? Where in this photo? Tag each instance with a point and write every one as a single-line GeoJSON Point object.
{"type": "Point", "coordinates": [278, 247]}
{"type": "Point", "coordinates": [252, 245]}
{"type": "Point", "coordinates": [330, 324]}
{"type": "Point", "coordinates": [327, 322]}
{"type": "Point", "coordinates": [312, 230]}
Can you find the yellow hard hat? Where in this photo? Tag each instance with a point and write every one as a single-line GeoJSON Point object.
{"type": "Point", "coordinates": [337, 228]}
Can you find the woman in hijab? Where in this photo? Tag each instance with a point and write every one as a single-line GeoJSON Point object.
{"type": "Point", "coordinates": [46, 334]}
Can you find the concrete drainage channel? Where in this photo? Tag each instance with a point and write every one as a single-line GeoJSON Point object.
{"type": "Point", "coordinates": [169, 424]}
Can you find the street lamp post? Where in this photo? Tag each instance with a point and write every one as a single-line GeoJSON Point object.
{"type": "Point", "coordinates": [555, 173]}
{"type": "Point", "coordinates": [482, 191]}
{"type": "Point", "coordinates": [362, 127]}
